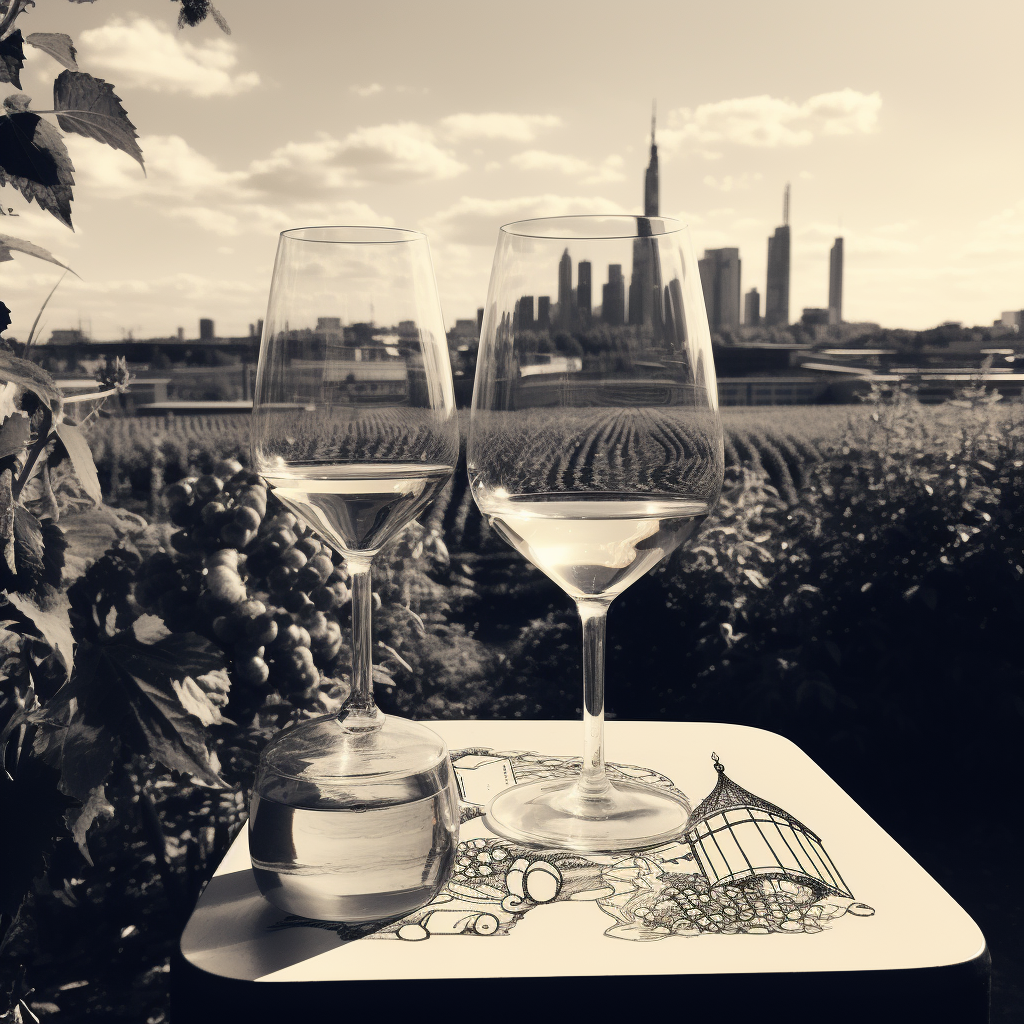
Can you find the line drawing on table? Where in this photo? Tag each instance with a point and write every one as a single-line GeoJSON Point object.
{"type": "Point", "coordinates": [742, 866]}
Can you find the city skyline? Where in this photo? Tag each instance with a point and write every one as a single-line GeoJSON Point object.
{"type": "Point", "coordinates": [267, 129]}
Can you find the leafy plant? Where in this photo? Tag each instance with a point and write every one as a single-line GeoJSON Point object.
{"type": "Point", "coordinates": [77, 698]}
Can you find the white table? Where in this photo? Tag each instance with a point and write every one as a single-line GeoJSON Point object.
{"type": "Point", "coordinates": [884, 942]}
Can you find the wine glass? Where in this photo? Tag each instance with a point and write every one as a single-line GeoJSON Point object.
{"type": "Point", "coordinates": [595, 449]}
{"type": "Point", "coordinates": [354, 814]}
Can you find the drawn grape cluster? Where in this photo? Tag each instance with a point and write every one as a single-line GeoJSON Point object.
{"type": "Point", "coordinates": [688, 905]}
{"type": "Point", "coordinates": [252, 579]}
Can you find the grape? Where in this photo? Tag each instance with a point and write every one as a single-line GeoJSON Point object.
{"type": "Point", "coordinates": [323, 565]}
{"type": "Point", "coordinates": [297, 666]}
{"type": "Point", "coordinates": [235, 535]}
{"type": "Point", "coordinates": [251, 609]}
{"type": "Point", "coordinates": [283, 521]}
{"type": "Point", "coordinates": [280, 539]}
{"type": "Point", "coordinates": [293, 558]}
{"type": "Point", "coordinates": [323, 598]}
{"type": "Point", "coordinates": [247, 517]}
{"type": "Point", "coordinates": [182, 541]}
{"type": "Point", "coordinates": [292, 636]}
{"type": "Point", "coordinates": [227, 468]}
{"type": "Point", "coordinates": [225, 556]}
{"type": "Point", "coordinates": [179, 492]}
{"type": "Point", "coordinates": [280, 578]}
{"type": "Point", "coordinates": [327, 646]}
{"type": "Point", "coordinates": [314, 622]}
{"type": "Point", "coordinates": [254, 498]}
{"type": "Point", "coordinates": [225, 584]}
{"type": "Point", "coordinates": [309, 546]}
{"type": "Point", "coordinates": [296, 601]}
{"type": "Point", "coordinates": [212, 513]}
{"type": "Point", "coordinates": [253, 671]}
{"type": "Point", "coordinates": [226, 629]}
{"type": "Point", "coordinates": [262, 630]}
{"type": "Point", "coordinates": [208, 487]}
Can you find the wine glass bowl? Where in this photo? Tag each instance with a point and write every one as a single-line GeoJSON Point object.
{"type": "Point", "coordinates": [355, 814]}
{"type": "Point", "coordinates": [595, 450]}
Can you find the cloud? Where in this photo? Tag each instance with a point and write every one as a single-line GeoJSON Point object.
{"type": "Point", "coordinates": [147, 54]}
{"type": "Point", "coordinates": [366, 90]}
{"type": "Point", "coordinates": [610, 169]}
{"type": "Point", "coordinates": [472, 221]}
{"type": "Point", "coordinates": [174, 171]}
{"type": "Point", "coordinates": [385, 152]}
{"type": "Point", "coordinates": [767, 122]}
{"type": "Point", "coordinates": [517, 127]}
{"type": "Point", "coordinates": [298, 182]}
{"type": "Point", "coordinates": [1002, 233]}
{"type": "Point", "coordinates": [728, 182]}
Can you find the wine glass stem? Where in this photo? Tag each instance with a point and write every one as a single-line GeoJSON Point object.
{"type": "Point", "coordinates": [593, 783]}
{"type": "Point", "coordinates": [361, 698]}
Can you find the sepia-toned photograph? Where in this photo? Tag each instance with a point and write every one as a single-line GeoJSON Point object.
{"type": "Point", "coordinates": [510, 506]}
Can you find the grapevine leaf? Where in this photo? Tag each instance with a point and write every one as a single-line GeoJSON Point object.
{"type": "Point", "coordinates": [89, 106]}
{"type": "Point", "coordinates": [130, 685]}
{"type": "Point", "coordinates": [81, 459]}
{"type": "Point", "coordinates": [14, 434]}
{"type": "Point", "coordinates": [7, 519]}
{"type": "Point", "coordinates": [49, 614]}
{"type": "Point", "coordinates": [31, 377]}
{"type": "Point", "coordinates": [34, 159]}
{"type": "Point", "coordinates": [12, 58]}
{"type": "Point", "coordinates": [90, 534]}
{"type": "Point", "coordinates": [195, 701]}
{"type": "Point", "coordinates": [150, 629]}
{"type": "Point", "coordinates": [28, 548]}
{"type": "Point", "coordinates": [7, 243]}
{"type": "Point", "coordinates": [57, 45]}
{"type": "Point", "coordinates": [87, 755]}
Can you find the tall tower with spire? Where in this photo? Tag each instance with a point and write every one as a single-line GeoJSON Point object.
{"type": "Point", "coordinates": [651, 177]}
{"type": "Point", "coordinates": [776, 300]}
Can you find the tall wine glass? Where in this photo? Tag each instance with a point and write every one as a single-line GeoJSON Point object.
{"type": "Point", "coordinates": [595, 449]}
{"type": "Point", "coordinates": [354, 428]}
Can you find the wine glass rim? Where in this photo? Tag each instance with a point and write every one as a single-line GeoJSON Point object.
{"type": "Point", "coordinates": [658, 226]}
{"type": "Point", "coordinates": [381, 232]}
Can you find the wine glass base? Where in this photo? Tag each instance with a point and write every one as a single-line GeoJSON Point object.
{"type": "Point", "coordinates": [551, 813]}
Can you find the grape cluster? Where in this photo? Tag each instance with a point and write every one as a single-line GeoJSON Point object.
{"type": "Point", "coordinates": [477, 859]}
{"type": "Point", "coordinates": [254, 581]}
{"type": "Point", "coordinates": [688, 906]}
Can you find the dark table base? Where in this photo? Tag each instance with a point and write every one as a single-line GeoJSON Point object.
{"type": "Point", "coordinates": [958, 994]}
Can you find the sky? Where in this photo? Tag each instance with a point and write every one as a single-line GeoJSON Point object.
{"type": "Point", "coordinates": [897, 123]}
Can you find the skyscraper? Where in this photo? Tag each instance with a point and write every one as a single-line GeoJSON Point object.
{"type": "Point", "coordinates": [776, 300]}
{"type": "Point", "coordinates": [543, 311]}
{"type": "Point", "coordinates": [720, 279]}
{"type": "Point", "coordinates": [584, 297]}
{"type": "Point", "coordinates": [645, 298]}
{"type": "Point", "coordinates": [565, 296]}
{"type": "Point", "coordinates": [651, 177]}
{"type": "Point", "coordinates": [524, 312]}
{"type": "Point", "coordinates": [835, 283]}
{"type": "Point", "coordinates": [613, 297]}
{"type": "Point", "coordinates": [752, 308]}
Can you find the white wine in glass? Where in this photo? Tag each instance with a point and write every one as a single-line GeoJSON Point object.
{"type": "Point", "coordinates": [354, 815]}
{"type": "Point", "coordinates": [595, 450]}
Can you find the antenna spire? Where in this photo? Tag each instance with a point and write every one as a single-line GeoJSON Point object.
{"type": "Point", "coordinates": [785, 206]}
{"type": "Point", "coordinates": [654, 116]}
